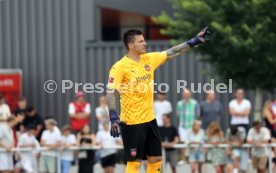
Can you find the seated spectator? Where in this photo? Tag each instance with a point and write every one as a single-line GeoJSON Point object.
{"type": "Point", "coordinates": [28, 160]}
{"type": "Point", "coordinates": [161, 107]}
{"type": "Point", "coordinates": [5, 112]}
{"type": "Point", "coordinates": [210, 110]}
{"type": "Point", "coordinates": [33, 118]}
{"type": "Point", "coordinates": [238, 156]}
{"type": "Point", "coordinates": [196, 136]}
{"type": "Point", "coordinates": [86, 157]}
{"type": "Point", "coordinates": [108, 156]}
{"type": "Point", "coordinates": [169, 137]}
{"type": "Point", "coordinates": [7, 143]}
{"type": "Point", "coordinates": [21, 110]}
{"type": "Point", "coordinates": [102, 112]}
{"type": "Point", "coordinates": [257, 136]}
{"type": "Point", "coordinates": [67, 156]}
{"type": "Point", "coordinates": [215, 137]}
{"type": "Point", "coordinates": [79, 112]}
{"type": "Point", "coordinates": [51, 140]}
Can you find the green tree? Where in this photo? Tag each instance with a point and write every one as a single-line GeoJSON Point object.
{"type": "Point", "coordinates": [244, 42]}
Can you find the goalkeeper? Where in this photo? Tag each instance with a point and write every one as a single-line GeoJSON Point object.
{"type": "Point", "coordinates": [132, 77]}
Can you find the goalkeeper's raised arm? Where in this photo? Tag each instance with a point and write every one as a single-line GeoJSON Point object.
{"type": "Point", "coordinates": [202, 37]}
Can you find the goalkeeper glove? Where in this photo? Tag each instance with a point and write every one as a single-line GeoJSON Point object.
{"type": "Point", "coordinates": [200, 38]}
{"type": "Point", "coordinates": [115, 121]}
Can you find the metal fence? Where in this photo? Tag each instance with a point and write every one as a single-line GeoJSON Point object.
{"type": "Point", "coordinates": [176, 146]}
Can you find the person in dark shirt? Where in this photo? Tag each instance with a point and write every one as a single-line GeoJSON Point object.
{"type": "Point", "coordinates": [210, 110]}
{"type": "Point", "coordinates": [169, 137]}
{"type": "Point", "coordinates": [21, 110]}
{"type": "Point", "coordinates": [32, 117]}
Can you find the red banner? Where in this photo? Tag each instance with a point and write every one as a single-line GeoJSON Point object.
{"type": "Point", "coordinates": [10, 86]}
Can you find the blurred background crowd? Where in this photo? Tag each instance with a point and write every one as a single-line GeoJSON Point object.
{"type": "Point", "coordinates": [197, 123]}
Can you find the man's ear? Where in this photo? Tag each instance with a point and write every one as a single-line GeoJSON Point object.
{"type": "Point", "coordinates": [130, 45]}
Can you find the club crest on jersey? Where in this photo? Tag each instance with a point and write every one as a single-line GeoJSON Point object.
{"type": "Point", "coordinates": [133, 152]}
{"type": "Point", "coordinates": [111, 80]}
{"type": "Point", "coordinates": [147, 67]}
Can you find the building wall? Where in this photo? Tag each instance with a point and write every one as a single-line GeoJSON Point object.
{"type": "Point", "coordinates": [144, 7]}
{"type": "Point", "coordinates": [46, 39]}
{"type": "Point", "coordinates": [51, 40]}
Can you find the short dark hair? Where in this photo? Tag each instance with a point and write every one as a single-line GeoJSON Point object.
{"type": "Point", "coordinates": [49, 117]}
{"type": "Point", "coordinates": [168, 115]}
{"type": "Point", "coordinates": [161, 92]}
{"type": "Point", "coordinates": [30, 109]}
{"type": "Point", "coordinates": [129, 36]}
{"type": "Point", "coordinates": [30, 126]}
{"type": "Point", "coordinates": [22, 98]}
{"type": "Point", "coordinates": [66, 128]}
{"type": "Point", "coordinates": [233, 129]}
{"type": "Point", "coordinates": [256, 123]}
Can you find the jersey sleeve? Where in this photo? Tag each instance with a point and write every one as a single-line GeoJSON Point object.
{"type": "Point", "coordinates": [71, 109]}
{"type": "Point", "coordinates": [115, 77]}
{"type": "Point", "coordinates": [44, 135]}
{"type": "Point", "coordinates": [157, 58]}
{"type": "Point", "coordinates": [98, 137]}
{"type": "Point", "coordinates": [87, 108]}
{"type": "Point", "coordinates": [98, 112]}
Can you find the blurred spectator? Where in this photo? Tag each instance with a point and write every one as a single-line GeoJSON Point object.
{"type": "Point", "coordinates": [56, 129]}
{"type": "Point", "coordinates": [238, 156]}
{"type": "Point", "coordinates": [161, 107]}
{"type": "Point", "coordinates": [21, 110]}
{"type": "Point", "coordinates": [7, 143]}
{"type": "Point", "coordinates": [274, 106]}
{"type": "Point", "coordinates": [270, 118]}
{"type": "Point", "coordinates": [196, 135]}
{"type": "Point", "coordinates": [108, 156]}
{"type": "Point", "coordinates": [239, 109]}
{"type": "Point", "coordinates": [32, 117]}
{"type": "Point", "coordinates": [274, 135]}
{"type": "Point", "coordinates": [169, 137]}
{"type": "Point", "coordinates": [102, 112]}
{"type": "Point", "coordinates": [79, 112]}
{"type": "Point", "coordinates": [5, 112]}
{"type": "Point", "coordinates": [51, 140]}
{"type": "Point", "coordinates": [187, 112]}
{"type": "Point", "coordinates": [210, 110]}
{"type": "Point", "coordinates": [86, 157]}
{"type": "Point", "coordinates": [28, 161]}
{"type": "Point", "coordinates": [258, 136]}
{"type": "Point", "coordinates": [67, 156]}
{"type": "Point", "coordinates": [215, 137]}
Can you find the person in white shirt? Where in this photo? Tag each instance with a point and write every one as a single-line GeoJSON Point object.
{"type": "Point", "coordinates": [28, 160]}
{"type": "Point", "coordinates": [161, 107]}
{"type": "Point", "coordinates": [7, 143]}
{"type": "Point", "coordinates": [102, 112]}
{"type": "Point", "coordinates": [5, 112]}
{"type": "Point", "coordinates": [108, 156]}
{"type": "Point", "coordinates": [258, 136]}
{"type": "Point", "coordinates": [239, 110]}
{"type": "Point", "coordinates": [51, 140]}
{"type": "Point", "coordinates": [67, 156]}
